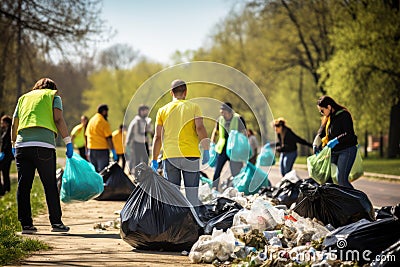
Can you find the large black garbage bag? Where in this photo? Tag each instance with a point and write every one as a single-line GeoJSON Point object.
{"type": "Point", "coordinates": [288, 189]}
{"type": "Point", "coordinates": [388, 212]}
{"type": "Point", "coordinates": [117, 185]}
{"type": "Point", "coordinates": [157, 215]}
{"type": "Point", "coordinates": [333, 204]}
{"type": "Point", "coordinates": [218, 214]}
{"type": "Point", "coordinates": [389, 257]}
{"type": "Point", "coordinates": [362, 241]}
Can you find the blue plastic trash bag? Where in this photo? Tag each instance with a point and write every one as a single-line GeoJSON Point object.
{"type": "Point", "coordinates": [250, 179]}
{"type": "Point", "coordinates": [266, 156]}
{"type": "Point", "coordinates": [213, 155]}
{"type": "Point", "coordinates": [80, 181]}
{"type": "Point", "coordinates": [238, 147]}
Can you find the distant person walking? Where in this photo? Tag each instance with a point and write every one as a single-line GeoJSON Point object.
{"type": "Point", "coordinates": [37, 117]}
{"type": "Point", "coordinates": [6, 156]}
{"type": "Point", "coordinates": [287, 145]}
{"type": "Point", "coordinates": [99, 139]}
{"type": "Point", "coordinates": [179, 130]}
{"type": "Point", "coordinates": [78, 136]}
{"type": "Point", "coordinates": [253, 145]}
{"type": "Point", "coordinates": [117, 137]}
{"type": "Point", "coordinates": [137, 137]}
{"type": "Point", "coordinates": [337, 132]}
{"type": "Point", "coordinates": [228, 121]}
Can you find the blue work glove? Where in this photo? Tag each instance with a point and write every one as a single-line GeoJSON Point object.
{"type": "Point", "coordinates": [13, 151]}
{"type": "Point", "coordinates": [70, 150]}
{"type": "Point", "coordinates": [154, 165]}
{"type": "Point", "coordinates": [206, 157]}
{"type": "Point", "coordinates": [115, 156]}
{"type": "Point", "coordinates": [331, 144]}
{"type": "Point", "coordinates": [1, 156]}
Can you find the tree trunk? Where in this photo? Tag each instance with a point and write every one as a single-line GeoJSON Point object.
{"type": "Point", "coordinates": [366, 144]}
{"type": "Point", "coordinates": [19, 53]}
{"type": "Point", "coordinates": [394, 132]}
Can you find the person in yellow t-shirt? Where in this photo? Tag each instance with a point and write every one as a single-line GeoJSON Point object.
{"type": "Point", "coordinates": [99, 139]}
{"type": "Point", "coordinates": [117, 137]}
{"type": "Point", "coordinates": [179, 130]}
{"type": "Point", "coordinates": [78, 136]}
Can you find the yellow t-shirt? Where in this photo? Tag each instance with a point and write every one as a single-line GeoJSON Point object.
{"type": "Point", "coordinates": [97, 130]}
{"type": "Point", "coordinates": [117, 141]}
{"type": "Point", "coordinates": [179, 137]}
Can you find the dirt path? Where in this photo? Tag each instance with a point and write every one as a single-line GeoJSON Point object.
{"type": "Point", "coordinates": [85, 246]}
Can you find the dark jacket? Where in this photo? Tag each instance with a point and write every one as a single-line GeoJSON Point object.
{"type": "Point", "coordinates": [341, 126]}
{"type": "Point", "coordinates": [6, 144]}
{"type": "Point", "coordinates": [289, 143]}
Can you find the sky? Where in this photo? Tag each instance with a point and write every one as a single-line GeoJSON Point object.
{"type": "Point", "coordinates": [157, 28]}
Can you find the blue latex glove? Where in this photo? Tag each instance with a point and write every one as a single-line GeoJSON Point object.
{"type": "Point", "coordinates": [70, 150]}
{"type": "Point", "coordinates": [331, 144]}
{"type": "Point", "coordinates": [206, 157]}
{"type": "Point", "coordinates": [1, 156]}
{"type": "Point", "coordinates": [13, 151]}
{"type": "Point", "coordinates": [115, 156]}
{"type": "Point", "coordinates": [154, 165]}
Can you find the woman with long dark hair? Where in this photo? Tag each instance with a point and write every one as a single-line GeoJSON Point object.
{"type": "Point", "coordinates": [337, 132]}
{"type": "Point", "coordinates": [287, 145]}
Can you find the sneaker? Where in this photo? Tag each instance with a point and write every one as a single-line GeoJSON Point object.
{"type": "Point", "coordinates": [29, 229]}
{"type": "Point", "coordinates": [59, 228]}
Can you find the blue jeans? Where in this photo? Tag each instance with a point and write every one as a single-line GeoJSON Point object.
{"type": "Point", "coordinates": [286, 161]}
{"type": "Point", "coordinates": [100, 158]}
{"type": "Point", "coordinates": [344, 160]}
{"type": "Point", "coordinates": [29, 159]}
{"type": "Point", "coordinates": [189, 168]}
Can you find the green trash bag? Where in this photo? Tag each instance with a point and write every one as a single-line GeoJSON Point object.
{"type": "Point", "coordinates": [238, 147]}
{"type": "Point", "coordinates": [80, 181]}
{"type": "Point", "coordinates": [356, 171]}
{"type": "Point", "coordinates": [319, 166]}
{"type": "Point", "coordinates": [250, 179]}
{"type": "Point", "coordinates": [266, 156]}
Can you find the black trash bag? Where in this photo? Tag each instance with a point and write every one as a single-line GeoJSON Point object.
{"type": "Point", "coordinates": [157, 215]}
{"type": "Point", "coordinates": [388, 257]}
{"type": "Point", "coordinates": [362, 241]}
{"type": "Point", "coordinates": [218, 214]}
{"type": "Point", "coordinates": [388, 212]}
{"type": "Point", "coordinates": [288, 190]}
{"type": "Point", "coordinates": [117, 185]}
{"type": "Point", "coordinates": [333, 204]}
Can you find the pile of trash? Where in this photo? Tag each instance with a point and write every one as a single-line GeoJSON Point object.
{"type": "Point", "coordinates": [301, 223]}
{"type": "Point", "coordinates": [296, 223]}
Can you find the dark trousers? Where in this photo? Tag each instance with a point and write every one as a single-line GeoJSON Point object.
{"type": "Point", "coordinates": [5, 165]}
{"type": "Point", "coordinates": [82, 152]}
{"type": "Point", "coordinates": [222, 158]}
{"type": "Point", "coordinates": [100, 158]}
{"type": "Point", "coordinates": [29, 159]}
{"type": "Point", "coordinates": [122, 158]}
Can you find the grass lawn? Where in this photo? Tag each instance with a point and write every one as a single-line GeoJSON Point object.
{"type": "Point", "coordinates": [14, 247]}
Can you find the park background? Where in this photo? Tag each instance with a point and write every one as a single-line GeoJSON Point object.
{"type": "Point", "coordinates": [294, 51]}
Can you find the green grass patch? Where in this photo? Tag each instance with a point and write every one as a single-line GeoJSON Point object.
{"type": "Point", "coordinates": [14, 247]}
{"type": "Point", "coordinates": [372, 164]}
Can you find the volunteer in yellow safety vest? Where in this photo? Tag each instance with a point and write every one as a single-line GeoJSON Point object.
{"type": "Point", "coordinates": [78, 136]}
{"type": "Point", "coordinates": [37, 118]}
{"type": "Point", "coordinates": [229, 120]}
